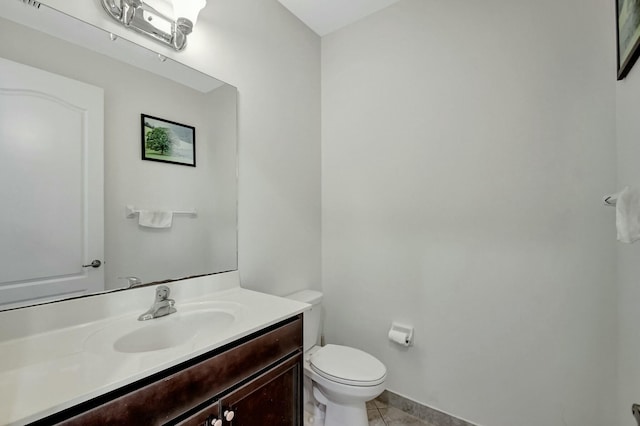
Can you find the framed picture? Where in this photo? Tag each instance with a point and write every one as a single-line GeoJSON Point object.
{"type": "Point", "coordinates": [167, 141]}
{"type": "Point", "coordinates": [628, 29]}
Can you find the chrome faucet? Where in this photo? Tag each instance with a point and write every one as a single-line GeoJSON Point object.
{"type": "Point", "coordinates": [132, 281]}
{"type": "Point", "coordinates": [161, 306]}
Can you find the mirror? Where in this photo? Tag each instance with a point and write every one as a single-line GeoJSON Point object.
{"type": "Point", "coordinates": [134, 81]}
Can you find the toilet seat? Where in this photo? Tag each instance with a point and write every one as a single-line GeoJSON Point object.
{"type": "Point", "coordinates": [349, 366]}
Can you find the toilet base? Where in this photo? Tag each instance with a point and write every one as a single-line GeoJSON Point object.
{"type": "Point", "coordinates": [352, 414]}
{"type": "Point", "coordinates": [315, 416]}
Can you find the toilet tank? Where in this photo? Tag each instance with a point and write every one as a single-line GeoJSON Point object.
{"type": "Point", "coordinates": [312, 318]}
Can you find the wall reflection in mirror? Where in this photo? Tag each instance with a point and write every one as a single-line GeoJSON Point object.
{"type": "Point", "coordinates": [70, 161]}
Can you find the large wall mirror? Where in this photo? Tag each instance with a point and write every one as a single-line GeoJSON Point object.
{"type": "Point", "coordinates": [71, 166]}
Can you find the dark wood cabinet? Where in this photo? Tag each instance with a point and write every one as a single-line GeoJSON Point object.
{"type": "Point", "coordinates": [256, 380]}
{"type": "Point", "coordinates": [270, 399]}
{"type": "Point", "coordinates": [208, 416]}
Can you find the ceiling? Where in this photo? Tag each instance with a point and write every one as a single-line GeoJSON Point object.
{"type": "Point", "coordinates": [326, 16]}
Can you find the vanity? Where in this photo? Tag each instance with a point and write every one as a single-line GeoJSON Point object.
{"type": "Point", "coordinates": [228, 356]}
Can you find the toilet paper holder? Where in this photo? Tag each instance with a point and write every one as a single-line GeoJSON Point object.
{"type": "Point", "coordinates": [401, 334]}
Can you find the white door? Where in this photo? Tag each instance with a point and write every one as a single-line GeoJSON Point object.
{"type": "Point", "coordinates": [51, 185]}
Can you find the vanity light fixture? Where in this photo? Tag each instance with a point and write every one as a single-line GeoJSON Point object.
{"type": "Point", "coordinates": [147, 17]}
{"type": "Point", "coordinates": [33, 3]}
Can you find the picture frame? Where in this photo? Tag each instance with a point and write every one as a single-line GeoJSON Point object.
{"type": "Point", "coordinates": [628, 35]}
{"type": "Point", "coordinates": [167, 141]}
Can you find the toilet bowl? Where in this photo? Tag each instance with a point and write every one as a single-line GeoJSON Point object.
{"type": "Point", "coordinates": [340, 378]}
{"type": "Point", "coordinates": [343, 380]}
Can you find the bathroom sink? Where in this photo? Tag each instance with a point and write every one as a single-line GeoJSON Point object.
{"type": "Point", "coordinates": [128, 335]}
{"type": "Point", "coordinates": [171, 330]}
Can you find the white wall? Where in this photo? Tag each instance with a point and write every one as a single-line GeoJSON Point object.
{"type": "Point", "coordinates": [274, 61]}
{"type": "Point", "coordinates": [628, 137]}
{"type": "Point", "coordinates": [465, 150]}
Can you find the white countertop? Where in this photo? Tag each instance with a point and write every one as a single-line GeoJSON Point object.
{"type": "Point", "coordinates": [54, 368]}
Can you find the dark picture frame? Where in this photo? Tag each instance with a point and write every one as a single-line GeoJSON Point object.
{"type": "Point", "coordinates": [628, 35]}
{"type": "Point", "coordinates": [167, 141]}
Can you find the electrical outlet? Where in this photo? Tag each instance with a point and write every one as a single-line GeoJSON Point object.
{"type": "Point", "coordinates": [635, 410]}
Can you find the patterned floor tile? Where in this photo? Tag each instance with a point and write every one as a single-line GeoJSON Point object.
{"type": "Point", "coordinates": [379, 404]}
{"type": "Point", "coordinates": [394, 417]}
{"type": "Point", "coordinates": [373, 414]}
{"type": "Point", "coordinates": [377, 422]}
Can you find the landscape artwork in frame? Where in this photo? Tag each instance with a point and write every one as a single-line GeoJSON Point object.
{"type": "Point", "coordinates": [628, 30]}
{"type": "Point", "coordinates": [168, 141]}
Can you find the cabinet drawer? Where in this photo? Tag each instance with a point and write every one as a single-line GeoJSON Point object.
{"type": "Point", "coordinates": [170, 396]}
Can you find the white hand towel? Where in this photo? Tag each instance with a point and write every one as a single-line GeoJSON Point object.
{"type": "Point", "coordinates": [628, 215]}
{"type": "Point", "coordinates": [155, 219]}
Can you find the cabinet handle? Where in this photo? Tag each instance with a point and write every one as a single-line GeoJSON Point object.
{"type": "Point", "coordinates": [212, 421]}
{"type": "Point", "coordinates": [228, 415]}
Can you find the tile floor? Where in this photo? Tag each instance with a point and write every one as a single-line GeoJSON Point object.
{"type": "Point", "coordinates": [380, 414]}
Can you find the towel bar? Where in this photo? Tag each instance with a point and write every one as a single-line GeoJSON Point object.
{"type": "Point", "coordinates": [131, 212]}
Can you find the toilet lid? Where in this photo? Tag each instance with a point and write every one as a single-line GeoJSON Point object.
{"type": "Point", "coordinates": [349, 366]}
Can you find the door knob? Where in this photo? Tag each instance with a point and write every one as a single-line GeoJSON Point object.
{"type": "Point", "coordinates": [94, 264]}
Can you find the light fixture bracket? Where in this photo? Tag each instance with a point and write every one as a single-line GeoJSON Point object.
{"type": "Point", "coordinates": [141, 17]}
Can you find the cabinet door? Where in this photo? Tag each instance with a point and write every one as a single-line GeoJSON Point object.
{"type": "Point", "coordinates": [274, 398]}
{"type": "Point", "coordinates": [206, 417]}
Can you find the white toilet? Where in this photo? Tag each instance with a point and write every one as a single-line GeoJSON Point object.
{"type": "Point", "coordinates": [340, 378]}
